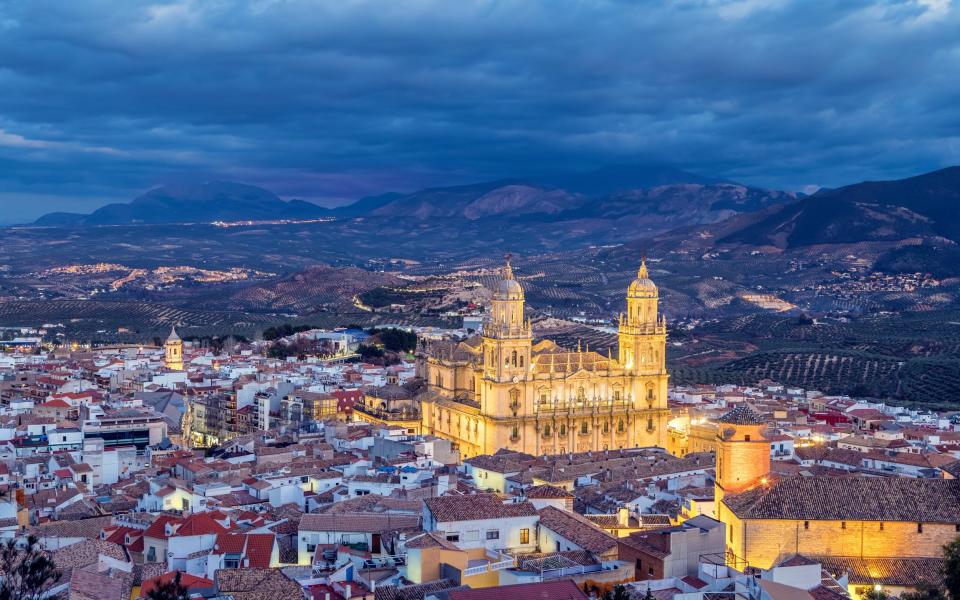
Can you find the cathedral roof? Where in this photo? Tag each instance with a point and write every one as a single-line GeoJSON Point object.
{"type": "Point", "coordinates": [571, 362]}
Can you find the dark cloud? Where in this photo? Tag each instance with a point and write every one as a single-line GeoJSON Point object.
{"type": "Point", "coordinates": [333, 100]}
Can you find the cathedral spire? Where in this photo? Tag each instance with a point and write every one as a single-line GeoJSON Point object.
{"type": "Point", "coordinates": [507, 269]}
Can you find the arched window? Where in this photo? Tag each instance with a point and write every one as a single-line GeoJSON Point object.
{"type": "Point", "coordinates": [521, 360]}
{"type": "Point", "coordinates": [563, 429]}
{"type": "Point", "coordinates": [620, 426]}
{"type": "Point", "coordinates": [546, 429]}
{"type": "Point", "coordinates": [514, 358]}
{"type": "Point", "coordinates": [606, 427]}
{"type": "Point", "coordinates": [515, 433]}
{"type": "Point", "coordinates": [650, 393]}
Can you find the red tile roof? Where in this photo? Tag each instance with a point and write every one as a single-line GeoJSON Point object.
{"type": "Point", "coordinates": [564, 589]}
{"type": "Point", "coordinates": [191, 582]}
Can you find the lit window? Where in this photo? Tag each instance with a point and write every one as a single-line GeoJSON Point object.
{"type": "Point", "coordinates": [524, 536]}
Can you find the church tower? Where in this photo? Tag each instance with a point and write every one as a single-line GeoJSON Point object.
{"type": "Point", "coordinates": [643, 332]}
{"type": "Point", "coordinates": [507, 338]}
{"type": "Point", "coordinates": [743, 453]}
{"type": "Point", "coordinates": [173, 351]}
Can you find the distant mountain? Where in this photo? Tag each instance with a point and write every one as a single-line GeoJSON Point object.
{"type": "Point", "coordinates": [476, 201]}
{"type": "Point", "coordinates": [619, 178]}
{"type": "Point", "coordinates": [923, 206]}
{"type": "Point", "coordinates": [365, 206]}
{"type": "Point", "coordinates": [214, 201]}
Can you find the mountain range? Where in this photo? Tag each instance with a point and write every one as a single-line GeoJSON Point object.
{"type": "Point", "coordinates": [612, 204]}
{"type": "Point", "coordinates": [646, 197]}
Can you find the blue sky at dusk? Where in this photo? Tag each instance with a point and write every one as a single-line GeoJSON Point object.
{"type": "Point", "coordinates": [331, 101]}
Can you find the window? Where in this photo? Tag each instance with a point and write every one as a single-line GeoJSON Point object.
{"type": "Point", "coordinates": [472, 536]}
{"type": "Point", "coordinates": [311, 547]}
{"type": "Point", "coordinates": [620, 426]}
{"type": "Point", "coordinates": [493, 534]}
{"type": "Point", "coordinates": [546, 429]}
{"type": "Point", "coordinates": [303, 479]}
{"type": "Point", "coordinates": [453, 537]}
{"type": "Point", "coordinates": [583, 427]}
{"type": "Point", "coordinates": [843, 524]}
{"type": "Point", "coordinates": [152, 554]}
{"type": "Point", "coordinates": [881, 525]}
{"type": "Point", "coordinates": [650, 393]}
{"type": "Point", "coordinates": [616, 395]}
{"type": "Point", "coordinates": [524, 536]}
{"type": "Point", "coordinates": [730, 532]}
{"type": "Point", "coordinates": [919, 527]}
{"type": "Point", "coordinates": [806, 524]}
{"type": "Point", "coordinates": [563, 429]}
{"type": "Point", "coordinates": [231, 561]}
{"type": "Point", "coordinates": [606, 427]}
{"type": "Point", "coordinates": [746, 438]}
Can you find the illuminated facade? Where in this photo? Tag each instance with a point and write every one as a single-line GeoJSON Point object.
{"type": "Point", "coordinates": [501, 390]}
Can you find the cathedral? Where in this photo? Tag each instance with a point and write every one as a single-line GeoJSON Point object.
{"type": "Point", "coordinates": [502, 390]}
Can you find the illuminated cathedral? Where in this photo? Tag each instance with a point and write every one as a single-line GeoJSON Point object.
{"type": "Point", "coordinates": [502, 390]}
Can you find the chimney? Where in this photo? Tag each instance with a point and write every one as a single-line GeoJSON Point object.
{"type": "Point", "coordinates": [348, 592]}
{"type": "Point", "coordinates": [623, 516]}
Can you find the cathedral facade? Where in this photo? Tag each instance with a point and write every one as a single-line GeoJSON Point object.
{"type": "Point", "coordinates": [502, 390]}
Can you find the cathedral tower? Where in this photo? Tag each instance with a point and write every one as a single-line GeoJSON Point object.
{"type": "Point", "coordinates": [506, 333]}
{"type": "Point", "coordinates": [173, 351]}
{"type": "Point", "coordinates": [642, 334]}
{"type": "Point", "coordinates": [743, 452]}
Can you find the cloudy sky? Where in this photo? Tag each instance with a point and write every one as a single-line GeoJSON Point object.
{"type": "Point", "coordinates": [329, 101]}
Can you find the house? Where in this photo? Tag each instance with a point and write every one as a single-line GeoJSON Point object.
{"type": "Point", "coordinates": [482, 520]}
{"type": "Point", "coordinates": [562, 531]}
{"type": "Point", "coordinates": [673, 551]}
{"type": "Point", "coordinates": [370, 531]}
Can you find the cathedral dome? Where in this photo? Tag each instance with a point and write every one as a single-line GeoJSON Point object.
{"type": "Point", "coordinates": [642, 286]}
{"type": "Point", "coordinates": [509, 288]}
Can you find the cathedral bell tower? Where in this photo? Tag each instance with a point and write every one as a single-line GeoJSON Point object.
{"type": "Point", "coordinates": [506, 333]}
{"type": "Point", "coordinates": [643, 332]}
{"type": "Point", "coordinates": [173, 351]}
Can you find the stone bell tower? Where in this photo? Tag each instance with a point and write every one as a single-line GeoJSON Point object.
{"type": "Point", "coordinates": [743, 453]}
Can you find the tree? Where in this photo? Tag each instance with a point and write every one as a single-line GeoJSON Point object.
{"type": "Point", "coordinates": [876, 594]}
{"type": "Point", "coordinates": [951, 574]}
{"type": "Point", "coordinates": [169, 590]}
{"type": "Point", "coordinates": [26, 569]}
{"type": "Point", "coordinates": [924, 592]}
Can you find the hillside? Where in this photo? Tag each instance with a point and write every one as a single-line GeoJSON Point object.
{"type": "Point", "coordinates": [921, 206]}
